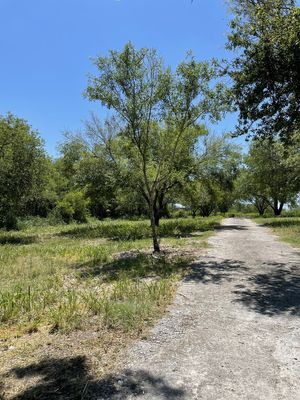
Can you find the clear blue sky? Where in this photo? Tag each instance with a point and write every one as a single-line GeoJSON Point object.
{"type": "Point", "coordinates": [46, 46]}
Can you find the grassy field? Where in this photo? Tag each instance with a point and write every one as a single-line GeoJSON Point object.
{"type": "Point", "coordinates": [287, 228]}
{"type": "Point", "coordinates": [87, 289]}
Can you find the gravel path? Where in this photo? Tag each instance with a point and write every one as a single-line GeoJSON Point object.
{"type": "Point", "coordinates": [233, 331]}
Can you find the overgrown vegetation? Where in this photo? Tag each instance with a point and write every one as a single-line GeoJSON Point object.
{"type": "Point", "coordinates": [60, 276]}
{"type": "Point", "coordinates": [288, 228]}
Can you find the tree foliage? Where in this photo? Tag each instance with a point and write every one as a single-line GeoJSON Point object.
{"type": "Point", "coordinates": [265, 35]}
{"type": "Point", "coordinates": [211, 186]}
{"type": "Point", "coordinates": [272, 174]}
{"type": "Point", "coordinates": [159, 113]}
{"type": "Point", "coordinates": [22, 167]}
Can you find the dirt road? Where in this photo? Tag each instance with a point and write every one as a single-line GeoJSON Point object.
{"type": "Point", "coordinates": [233, 331]}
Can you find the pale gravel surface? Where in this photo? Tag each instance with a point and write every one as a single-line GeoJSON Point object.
{"type": "Point", "coordinates": [233, 331]}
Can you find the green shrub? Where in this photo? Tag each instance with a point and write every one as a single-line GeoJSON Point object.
{"type": "Point", "coordinates": [73, 207]}
{"type": "Point", "coordinates": [291, 213]}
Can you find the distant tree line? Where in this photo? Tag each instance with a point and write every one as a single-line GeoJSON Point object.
{"type": "Point", "coordinates": [85, 179]}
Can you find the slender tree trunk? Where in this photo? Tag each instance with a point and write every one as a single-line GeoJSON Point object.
{"type": "Point", "coordinates": [156, 216]}
{"type": "Point", "coordinates": [156, 247]}
{"type": "Point", "coordinates": [159, 208]}
{"type": "Point", "coordinates": [260, 207]}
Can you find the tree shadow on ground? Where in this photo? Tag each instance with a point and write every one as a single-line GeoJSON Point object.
{"type": "Point", "coordinates": [70, 379]}
{"type": "Point", "coordinates": [134, 266]}
{"type": "Point", "coordinates": [146, 266]}
{"type": "Point", "coordinates": [231, 227]}
{"type": "Point", "coordinates": [273, 293]}
{"type": "Point", "coordinates": [17, 240]}
{"type": "Point", "coordinates": [215, 272]}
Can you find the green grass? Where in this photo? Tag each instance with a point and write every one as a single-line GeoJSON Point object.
{"type": "Point", "coordinates": [134, 230]}
{"type": "Point", "coordinates": [287, 228]}
{"type": "Point", "coordinates": [64, 276]}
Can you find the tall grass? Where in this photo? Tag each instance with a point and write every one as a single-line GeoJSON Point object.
{"type": "Point", "coordinates": [133, 230]}
{"type": "Point", "coordinates": [288, 228]}
{"type": "Point", "coordinates": [62, 276]}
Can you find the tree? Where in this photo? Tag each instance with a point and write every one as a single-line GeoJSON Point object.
{"type": "Point", "coordinates": [211, 185]}
{"type": "Point", "coordinates": [200, 197]}
{"type": "Point", "coordinates": [22, 166]}
{"type": "Point", "coordinates": [273, 172]}
{"type": "Point", "coordinates": [97, 176]}
{"type": "Point", "coordinates": [72, 151]}
{"type": "Point", "coordinates": [250, 190]}
{"type": "Point", "coordinates": [219, 167]}
{"type": "Point", "coordinates": [265, 35]}
{"type": "Point", "coordinates": [44, 196]}
{"type": "Point", "coordinates": [158, 112]}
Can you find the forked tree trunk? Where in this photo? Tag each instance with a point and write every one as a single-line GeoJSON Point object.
{"type": "Point", "coordinates": [277, 208]}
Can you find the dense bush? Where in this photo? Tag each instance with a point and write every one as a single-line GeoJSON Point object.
{"type": "Point", "coordinates": [73, 207]}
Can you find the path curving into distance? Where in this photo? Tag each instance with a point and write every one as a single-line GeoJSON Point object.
{"type": "Point", "coordinates": [233, 331]}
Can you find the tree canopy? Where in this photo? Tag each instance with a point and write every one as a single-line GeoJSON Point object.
{"type": "Point", "coordinates": [159, 113]}
{"type": "Point", "coordinates": [22, 167]}
{"type": "Point", "coordinates": [265, 35]}
{"type": "Point", "coordinates": [272, 174]}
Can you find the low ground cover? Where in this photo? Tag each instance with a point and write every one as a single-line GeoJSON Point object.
{"type": "Point", "coordinates": [88, 288]}
{"type": "Point", "coordinates": [287, 228]}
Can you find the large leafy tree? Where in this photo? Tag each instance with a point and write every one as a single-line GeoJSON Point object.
{"type": "Point", "coordinates": [273, 173]}
{"type": "Point", "coordinates": [265, 35]}
{"type": "Point", "coordinates": [22, 167]}
{"type": "Point", "coordinates": [72, 151]}
{"type": "Point", "coordinates": [158, 112]}
{"type": "Point", "coordinates": [211, 185]}
{"type": "Point", "coordinates": [200, 197]}
{"type": "Point", "coordinates": [250, 190]}
{"type": "Point", "coordinates": [97, 176]}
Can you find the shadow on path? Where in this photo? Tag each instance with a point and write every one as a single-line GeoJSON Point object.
{"type": "Point", "coordinates": [274, 292]}
{"type": "Point", "coordinates": [231, 228]}
{"type": "Point", "coordinates": [69, 378]}
{"type": "Point", "coordinates": [215, 272]}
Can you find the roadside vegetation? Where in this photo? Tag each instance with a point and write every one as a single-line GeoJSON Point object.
{"type": "Point", "coordinates": [286, 227]}
{"type": "Point", "coordinates": [61, 275]}
{"type": "Point", "coordinates": [97, 285]}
